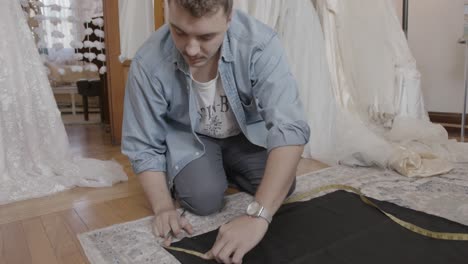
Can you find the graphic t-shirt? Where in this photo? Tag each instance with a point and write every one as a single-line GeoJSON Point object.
{"type": "Point", "coordinates": [217, 118]}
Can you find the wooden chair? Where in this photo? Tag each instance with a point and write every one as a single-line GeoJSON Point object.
{"type": "Point", "coordinates": [88, 88]}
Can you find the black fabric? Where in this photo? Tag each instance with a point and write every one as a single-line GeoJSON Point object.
{"type": "Point", "coordinates": [339, 228]}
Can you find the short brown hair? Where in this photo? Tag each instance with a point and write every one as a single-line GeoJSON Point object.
{"type": "Point", "coordinates": [199, 8]}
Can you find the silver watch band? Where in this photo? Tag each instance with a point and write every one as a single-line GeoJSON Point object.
{"type": "Point", "coordinates": [265, 215]}
{"type": "Point", "coordinates": [255, 209]}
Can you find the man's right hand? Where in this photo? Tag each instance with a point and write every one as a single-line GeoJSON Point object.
{"type": "Point", "coordinates": [168, 223]}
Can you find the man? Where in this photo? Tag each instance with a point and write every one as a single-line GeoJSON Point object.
{"type": "Point", "coordinates": [209, 98]}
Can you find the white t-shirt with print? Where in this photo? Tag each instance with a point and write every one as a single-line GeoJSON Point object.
{"type": "Point", "coordinates": [217, 119]}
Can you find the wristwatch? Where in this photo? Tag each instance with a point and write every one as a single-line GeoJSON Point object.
{"type": "Point", "coordinates": [256, 210]}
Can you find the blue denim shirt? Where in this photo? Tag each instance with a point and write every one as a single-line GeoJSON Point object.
{"type": "Point", "coordinates": [160, 109]}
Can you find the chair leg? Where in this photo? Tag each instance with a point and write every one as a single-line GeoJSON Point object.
{"type": "Point", "coordinates": [85, 108]}
{"type": "Point", "coordinates": [72, 95]}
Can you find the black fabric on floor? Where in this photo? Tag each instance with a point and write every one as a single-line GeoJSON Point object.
{"type": "Point", "coordinates": [340, 228]}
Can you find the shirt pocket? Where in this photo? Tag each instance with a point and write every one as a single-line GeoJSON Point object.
{"type": "Point", "coordinates": [249, 105]}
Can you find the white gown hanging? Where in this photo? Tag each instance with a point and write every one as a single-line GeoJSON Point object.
{"type": "Point", "coordinates": [380, 71]}
{"type": "Point", "coordinates": [354, 119]}
{"type": "Point", "coordinates": [35, 158]}
{"type": "Point", "coordinates": [375, 80]}
{"type": "Point", "coordinates": [299, 29]}
{"type": "Point", "coordinates": [136, 23]}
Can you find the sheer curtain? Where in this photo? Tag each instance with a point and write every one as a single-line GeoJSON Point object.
{"type": "Point", "coordinates": [63, 23]}
{"type": "Point", "coordinates": [64, 26]}
{"type": "Point", "coordinates": [59, 30]}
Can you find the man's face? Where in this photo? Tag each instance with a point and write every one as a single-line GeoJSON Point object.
{"type": "Point", "coordinates": [197, 39]}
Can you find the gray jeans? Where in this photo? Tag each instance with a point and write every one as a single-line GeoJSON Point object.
{"type": "Point", "coordinates": [200, 186]}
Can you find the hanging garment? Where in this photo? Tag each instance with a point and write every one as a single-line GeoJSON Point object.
{"type": "Point", "coordinates": [381, 72]}
{"type": "Point", "coordinates": [339, 228]}
{"type": "Point", "coordinates": [375, 80]}
{"type": "Point", "coordinates": [361, 92]}
{"type": "Point", "coordinates": [136, 20]}
{"type": "Point", "coordinates": [299, 30]}
{"type": "Point", "coordinates": [266, 11]}
{"type": "Point", "coordinates": [332, 140]}
{"type": "Point", "coordinates": [35, 157]}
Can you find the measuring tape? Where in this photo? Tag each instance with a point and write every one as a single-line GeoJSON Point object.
{"type": "Point", "coordinates": [409, 226]}
{"type": "Point", "coordinates": [309, 194]}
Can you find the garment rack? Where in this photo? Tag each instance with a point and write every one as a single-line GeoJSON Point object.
{"type": "Point", "coordinates": [405, 17]}
{"type": "Point", "coordinates": [463, 41]}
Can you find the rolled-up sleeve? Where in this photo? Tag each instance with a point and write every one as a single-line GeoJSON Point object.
{"type": "Point", "coordinates": [275, 90]}
{"type": "Point", "coordinates": [144, 127]}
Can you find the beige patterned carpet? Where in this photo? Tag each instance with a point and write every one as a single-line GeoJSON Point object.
{"type": "Point", "coordinates": [444, 195]}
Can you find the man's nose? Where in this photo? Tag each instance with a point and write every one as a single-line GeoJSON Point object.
{"type": "Point", "coordinates": [192, 48]}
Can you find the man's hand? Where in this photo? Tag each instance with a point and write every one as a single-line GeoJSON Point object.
{"type": "Point", "coordinates": [236, 238]}
{"type": "Point", "coordinates": [168, 223]}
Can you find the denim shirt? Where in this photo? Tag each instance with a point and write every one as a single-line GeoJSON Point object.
{"type": "Point", "coordinates": [160, 112]}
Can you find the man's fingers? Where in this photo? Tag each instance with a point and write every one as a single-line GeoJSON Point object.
{"type": "Point", "coordinates": [225, 253]}
{"type": "Point", "coordinates": [174, 224]}
{"type": "Point", "coordinates": [238, 255]}
{"type": "Point", "coordinates": [208, 256]}
{"type": "Point", "coordinates": [167, 241]}
{"type": "Point", "coordinates": [166, 227]}
{"type": "Point", "coordinates": [219, 235]}
{"type": "Point", "coordinates": [184, 223]}
{"type": "Point", "coordinates": [218, 245]}
{"type": "Point", "coordinates": [155, 228]}
{"type": "Point", "coordinates": [160, 227]}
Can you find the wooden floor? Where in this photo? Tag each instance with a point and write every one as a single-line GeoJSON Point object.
{"type": "Point", "coordinates": [44, 230]}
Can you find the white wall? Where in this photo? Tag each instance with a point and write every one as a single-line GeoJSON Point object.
{"type": "Point", "coordinates": [434, 28]}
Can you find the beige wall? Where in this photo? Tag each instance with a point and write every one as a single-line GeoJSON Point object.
{"type": "Point", "coordinates": [434, 28]}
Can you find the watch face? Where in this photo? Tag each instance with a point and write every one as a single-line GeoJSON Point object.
{"type": "Point", "coordinates": [253, 208]}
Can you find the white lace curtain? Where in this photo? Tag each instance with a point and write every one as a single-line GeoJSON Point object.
{"type": "Point", "coordinates": [59, 32]}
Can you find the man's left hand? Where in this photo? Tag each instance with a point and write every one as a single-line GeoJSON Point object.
{"type": "Point", "coordinates": [236, 238]}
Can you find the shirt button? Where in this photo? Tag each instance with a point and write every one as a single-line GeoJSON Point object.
{"type": "Point", "coordinates": [176, 167]}
{"type": "Point", "coordinates": [197, 153]}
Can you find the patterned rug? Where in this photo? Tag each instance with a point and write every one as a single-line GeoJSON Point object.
{"type": "Point", "coordinates": [444, 195]}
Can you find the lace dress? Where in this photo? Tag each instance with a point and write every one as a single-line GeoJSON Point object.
{"type": "Point", "coordinates": [35, 157]}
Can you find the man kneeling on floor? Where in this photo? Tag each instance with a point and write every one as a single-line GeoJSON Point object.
{"type": "Point", "coordinates": [210, 98]}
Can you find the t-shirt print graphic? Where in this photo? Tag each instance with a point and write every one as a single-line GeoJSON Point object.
{"type": "Point", "coordinates": [215, 117]}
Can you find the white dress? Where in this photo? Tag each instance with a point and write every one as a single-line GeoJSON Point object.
{"type": "Point", "coordinates": [136, 23]}
{"type": "Point", "coordinates": [378, 68]}
{"type": "Point", "coordinates": [375, 81]}
{"type": "Point", "coordinates": [298, 26]}
{"type": "Point", "coordinates": [299, 29]}
{"type": "Point", "coordinates": [35, 157]}
{"type": "Point", "coordinates": [359, 85]}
